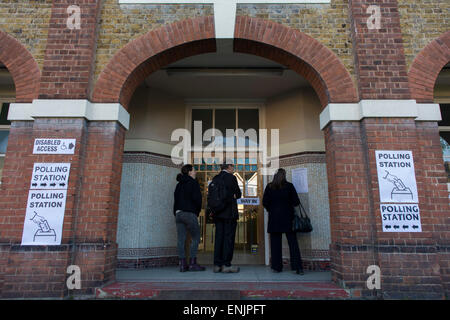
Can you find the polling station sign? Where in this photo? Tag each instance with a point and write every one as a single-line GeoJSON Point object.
{"type": "Point", "coordinates": [54, 146]}
{"type": "Point", "coordinates": [400, 217]}
{"type": "Point", "coordinates": [44, 217]}
{"type": "Point", "coordinates": [396, 176]}
{"type": "Point", "coordinates": [49, 176]}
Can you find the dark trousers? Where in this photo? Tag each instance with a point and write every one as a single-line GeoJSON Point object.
{"type": "Point", "coordinates": [187, 221]}
{"type": "Point", "coordinates": [276, 251]}
{"type": "Point", "coordinates": [224, 242]}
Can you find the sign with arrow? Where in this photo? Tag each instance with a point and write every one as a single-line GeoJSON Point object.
{"type": "Point", "coordinates": [50, 176]}
{"type": "Point", "coordinates": [54, 146]}
{"type": "Point", "coordinates": [400, 217]}
{"type": "Point", "coordinates": [46, 204]}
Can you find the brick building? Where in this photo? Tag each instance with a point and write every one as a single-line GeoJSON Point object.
{"type": "Point", "coordinates": [339, 79]}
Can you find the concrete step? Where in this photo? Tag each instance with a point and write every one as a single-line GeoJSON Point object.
{"type": "Point", "coordinates": [221, 290]}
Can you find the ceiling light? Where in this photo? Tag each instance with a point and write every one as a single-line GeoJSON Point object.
{"type": "Point", "coordinates": [220, 72]}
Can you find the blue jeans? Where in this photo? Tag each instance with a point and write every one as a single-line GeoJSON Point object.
{"type": "Point", "coordinates": [187, 221]}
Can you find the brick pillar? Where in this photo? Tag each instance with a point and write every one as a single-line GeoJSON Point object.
{"type": "Point", "coordinates": [409, 261]}
{"type": "Point", "coordinates": [351, 217]}
{"type": "Point", "coordinates": [379, 55]}
{"type": "Point", "coordinates": [435, 195]}
{"type": "Point", "coordinates": [69, 54]}
{"type": "Point", "coordinates": [99, 204]}
{"type": "Point", "coordinates": [14, 197]}
{"type": "Point", "coordinates": [90, 219]}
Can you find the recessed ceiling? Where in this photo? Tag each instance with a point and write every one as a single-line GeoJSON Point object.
{"type": "Point", "coordinates": [242, 85]}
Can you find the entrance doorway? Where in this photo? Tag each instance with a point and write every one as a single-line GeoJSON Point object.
{"type": "Point", "coordinates": [223, 90]}
{"type": "Point", "coordinates": [249, 241]}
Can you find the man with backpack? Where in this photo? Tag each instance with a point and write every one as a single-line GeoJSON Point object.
{"type": "Point", "coordinates": [223, 193]}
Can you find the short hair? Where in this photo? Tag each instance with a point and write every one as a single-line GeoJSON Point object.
{"type": "Point", "coordinates": [225, 166]}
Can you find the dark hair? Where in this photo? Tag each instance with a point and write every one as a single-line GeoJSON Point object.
{"type": "Point", "coordinates": [185, 171]}
{"type": "Point", "coordinates": [225, 166]}
{"type": "Point", "coordinates": [279, 179]}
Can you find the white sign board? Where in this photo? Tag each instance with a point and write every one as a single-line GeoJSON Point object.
{"type": "Point", "coordinates": [44, 217]}
{"type": "Point", "coordinates": [46, 204]}
{"type": "Point", "coordinates": [248, 201]}
{"type": "Point", "coordinates": [396, 176]}
{"type": "Point", "coordinates": [400, 217]}
{"type": "Point", "coordinates": [54, 146]}
{"type": "Point", "coordinates": [50, 176]}
{"type": "Point", "coordinates": [300, 179]}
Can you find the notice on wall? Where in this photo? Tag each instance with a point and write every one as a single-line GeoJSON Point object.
{"type": "Point", "coordinates": [300, 179]}
{"type": "Point", "coordinates": [44, 217]}
{"type": "Point", "coordinates": [46, 204]}
{"type": "Point", "coordinates": [400, 217]}
{"type": "Point", "coordinates": [248, 201]}
{"type": "Point", "coordinates": [54, 146]}
{"type": "Point", "coordinates": [50, 176]}
{"type": "Point", "coordinates": [396, 177]}
{"type": "Point", "coordinates": [399, 202]}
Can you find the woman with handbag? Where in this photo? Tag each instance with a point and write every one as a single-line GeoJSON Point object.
{"type": "Point", "coordinates": [280, 198]}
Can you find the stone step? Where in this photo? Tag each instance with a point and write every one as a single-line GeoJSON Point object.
{"type": "Point", "coordinates": [221, 290]}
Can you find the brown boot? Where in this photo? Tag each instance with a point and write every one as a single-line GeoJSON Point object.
{"type": "Point", "coordinates": [193, 266]}
{"type": "Point", "coordinates": [183, 265]}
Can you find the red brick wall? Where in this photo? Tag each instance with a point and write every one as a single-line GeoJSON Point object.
{"type": "Point", "coordinates": [148, 53]}
{"type": "Point", "coordinates": [409, 262]}
{"type": "Point", "coordinates": [435, 194]}
{"type": "Point", "coordinates": [379, 55]}
{"type": "Point", "coordinates": [351, 219]}
{"type": "Point", "coordinates": [158, 48]}
{"type": "Point", "coordinates": [22, 66]}
{"type": "Point", "coordinates": [96, 224]}
{"type": "Point", "coordinates": [298, 51]}
{"type": "Point", "coordinates": [69, 54]}
{"type": "Point", "coordinates": [427, 66]}
{"type": "Point", "coordinates": [412, 265]}
{"type": "Point", "coordinates": [16, 181]}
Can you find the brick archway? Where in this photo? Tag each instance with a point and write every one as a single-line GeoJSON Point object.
{"type": "Point", "coordinates": [287, 46]}
{"type": "Point", "coordinates": [22, 66]}
{"type": "Point", "coordinates": [298, 51]}
{"type": "Point", "coordinates": [426, 67]}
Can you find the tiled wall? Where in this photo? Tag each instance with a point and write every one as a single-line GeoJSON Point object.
{"type": "Point", "coordinates": [314, 245]}
{"type": "Point", "coordinates": [146, 226]}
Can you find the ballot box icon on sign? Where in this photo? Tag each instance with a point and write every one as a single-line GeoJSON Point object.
{"type": "Point", "coordinates": [44, 228]}
{"type": "Point", "coordinates": [400, 190]}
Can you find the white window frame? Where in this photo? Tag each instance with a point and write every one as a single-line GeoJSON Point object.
{"type": "Point", "coordinates": [5, 127]}
{"type": "Point", "coordinates": [247, 104]}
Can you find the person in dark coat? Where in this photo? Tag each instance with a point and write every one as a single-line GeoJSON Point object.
{"type": "Point", "coordinates": [226, 223]}
{"type": "Point", "coordinates": [280, 198]}
{"type": "Point", "coordinates": [186, 208]}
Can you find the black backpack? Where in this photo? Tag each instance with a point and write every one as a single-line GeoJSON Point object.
{"type": "Point", "coordinates": [217, 195]}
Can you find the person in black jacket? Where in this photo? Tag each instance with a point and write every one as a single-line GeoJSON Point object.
{"type": "Point", "coordinates": [186, 208]}
{"type": "Point", "coordinates": [280, 198]}
{"type": "Point", "coordinates": [226, 222]}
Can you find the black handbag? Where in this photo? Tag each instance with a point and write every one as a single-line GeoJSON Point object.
{"type": "Point", "coordinates": [301, 222]}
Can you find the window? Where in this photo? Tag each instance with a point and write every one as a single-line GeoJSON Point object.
{"type": "Point", "coordinates": [222, 118]}
{"type": "Point", "coordinates": [444, 132]}
{"type": "Point", "coordinates": [206, 117]}
{"type": "Point", "coordinates": [4, 133]}
{"type": "Point", "coordinates": [249, 119]}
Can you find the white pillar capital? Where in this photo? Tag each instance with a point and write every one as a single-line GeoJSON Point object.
{"type": "Point", "coordinates": [379, 109]}
{"type": "Point", "coordinates": [69, 108]}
